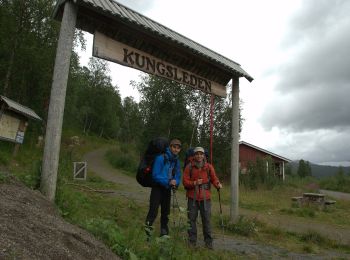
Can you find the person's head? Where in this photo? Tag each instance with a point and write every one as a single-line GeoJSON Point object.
{"type": "Point", "coordinates": [199, 154]}
{"type": "Point", "coordinates": [175, 146]}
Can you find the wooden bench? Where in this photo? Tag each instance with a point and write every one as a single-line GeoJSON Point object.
{"type": "Point", "coordinates": [312, 199]}
{"type": "Point", "coordinates": [297, 200]}
{"type": "Point", "coordinates": [329, 202]}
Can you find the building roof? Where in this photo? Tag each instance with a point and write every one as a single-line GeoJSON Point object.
{"type": "Point", "coordinates": [265, 151]}
{"type": "Point", "coordinates": [14, 106]}
{"type": "Point", "coordinates": [128, 26]}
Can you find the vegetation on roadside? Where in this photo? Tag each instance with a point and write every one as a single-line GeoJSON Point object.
{"type": "Point", "coordinates": [124, 156]}
{"type": "Point", "coordinates": [119, 222]}
{"type": "Point", "coordinates": [339, 182]}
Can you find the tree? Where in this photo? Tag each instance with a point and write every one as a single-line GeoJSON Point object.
{"type": "Point", "coordinates": [304, 169]}
{"type": "Point", "coordinates": [27, 50]}
{"type": "Point", "coordinates": [131, 121]}
{"type": "Point", "coordinates": [96, 102]}
{"type": "Point", "coordinates": [163, 108]}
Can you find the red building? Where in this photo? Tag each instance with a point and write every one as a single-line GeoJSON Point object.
{"type": "Point", "coordinates": [249, 153]}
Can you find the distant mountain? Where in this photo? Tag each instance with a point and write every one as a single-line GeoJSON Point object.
{"type": "Point", "coordinates": [320, 171]}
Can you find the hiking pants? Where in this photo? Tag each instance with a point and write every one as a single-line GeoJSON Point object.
{"type": "Point", "coordinates": [205, 211]}
{"type": "Point", "coordinates": [159, 196]}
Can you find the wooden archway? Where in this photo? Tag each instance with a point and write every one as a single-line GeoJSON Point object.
{"type": "Point", "coordinates": [127, 37]}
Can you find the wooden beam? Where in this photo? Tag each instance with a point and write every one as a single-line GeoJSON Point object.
{"type": "Point", "coordinates": [57, 101]}
{"type": "Point", "coordinates": [235, 152]}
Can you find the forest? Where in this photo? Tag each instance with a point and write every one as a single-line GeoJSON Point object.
{"type": "Point", "coordinates": [93, 105]}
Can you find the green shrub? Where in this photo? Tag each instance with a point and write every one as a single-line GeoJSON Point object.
{"type": "Point", "coordinates": [339, 182]}
{"type": "Point", "coordinates": [122, 160]}
{"type": "Point", "coordinates": [301, 212]}
{"type": "Point", "coordinates": [32, 176]}
{"type": "Point", "coordinates": [313, 237]}
{"type": "Point", "coordinates": [3, 177]}
{"type": "Point", "coordinates": [244, 226]}
{"type": "Point", "coordinates": [110, 233]}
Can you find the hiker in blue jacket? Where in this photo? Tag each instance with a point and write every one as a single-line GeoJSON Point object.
{"type": "Point", "coordinates": [167, 176]}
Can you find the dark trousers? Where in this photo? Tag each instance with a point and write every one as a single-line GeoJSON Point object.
{"type": "Point", "coordinates": [159, 196]}
{"type": "Point", "coordinates": [205, 211]}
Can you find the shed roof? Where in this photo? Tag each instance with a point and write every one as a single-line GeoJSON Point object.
{"type": "Point", "coordinates": [265, 151]}
{"type": "Point", "coordinates": [14, 106]}
{"type": "Point", "coordinates": [130, 27]}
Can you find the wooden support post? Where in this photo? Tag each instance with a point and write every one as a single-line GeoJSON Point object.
{"type": "Point", "coordinates": [57, 101]}
{"type": "Point", "coordinates": [235, 151]}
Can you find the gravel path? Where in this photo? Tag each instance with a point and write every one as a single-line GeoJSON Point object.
{"type": "Point", "coordinates": [336, 194]}
{"type": "Point", "coordinates": [130, 189]}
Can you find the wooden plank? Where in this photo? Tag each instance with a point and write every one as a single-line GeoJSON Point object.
{"type": "Point", "coordinates": [297, 198]}
{"type": "Point", "coordinates": [329, 202]}
{"type": "Point", "coordinates": [316, 195]}
{"type": "Point", "coordinates": [112, 50]}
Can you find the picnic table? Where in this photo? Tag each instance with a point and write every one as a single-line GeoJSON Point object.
{"type": "Point", "coordinates": [309, 198]}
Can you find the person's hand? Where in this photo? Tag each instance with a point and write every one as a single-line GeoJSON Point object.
{"type": "Point", "coordinates": [198, 182]}
{"type": "Point", "coordinates": [173, 183]}
{"type": "Point", "coordinates": [219, 186]}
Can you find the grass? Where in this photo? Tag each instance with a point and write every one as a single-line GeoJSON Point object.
{"type": "Point", "coordinates": [124, 157]}
{"type": "Point", "coordinates": [119, 221]}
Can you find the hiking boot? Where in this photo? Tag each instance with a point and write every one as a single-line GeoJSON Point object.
{"type": "Point", "coordinates": [164, 232]}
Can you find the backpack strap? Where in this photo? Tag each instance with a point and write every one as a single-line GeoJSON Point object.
{"type": "Point", "coordinates": [190, 165]}
{"type": "Point", "coordinates": [208, 186]}
{"type": "Point", "coordinates": [174, 168]}
{"type": "Point", "coordinates": [165, 157]}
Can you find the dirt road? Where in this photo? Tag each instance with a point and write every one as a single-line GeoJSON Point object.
{"type": "Point", "coordinates": [130, 189]}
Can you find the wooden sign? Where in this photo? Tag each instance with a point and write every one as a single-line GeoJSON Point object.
{"type": "Point", "coordinates": [10, 129]}
{"type": "Point", "coordinates": [112, 50]}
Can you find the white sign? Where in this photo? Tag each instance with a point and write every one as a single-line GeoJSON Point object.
{"type": "Point", "coordinates": [112, 50]}
{"type": "Point", "coordinates": [19, 137]}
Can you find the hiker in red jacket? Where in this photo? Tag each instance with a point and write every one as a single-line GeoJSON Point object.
{"type": "Point", "coordinates": [197, 179]}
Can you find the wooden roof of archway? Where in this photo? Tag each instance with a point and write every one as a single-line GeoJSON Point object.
{"type": "Point", "coordinates": [136, 30]}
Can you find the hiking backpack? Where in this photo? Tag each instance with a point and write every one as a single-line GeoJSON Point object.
{"type": "Point", "coordinates": [155, 147]}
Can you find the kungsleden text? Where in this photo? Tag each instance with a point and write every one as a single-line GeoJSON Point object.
{"type": "Point", "coordinates": [154, 66]}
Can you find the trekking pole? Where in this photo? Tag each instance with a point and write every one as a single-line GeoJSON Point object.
{"type": "Point", "coordinates": [173, 206]}
{"type": "Point", "coordinates": [176, 201]}
{"type": "Point", "coordinates": [221, 217]}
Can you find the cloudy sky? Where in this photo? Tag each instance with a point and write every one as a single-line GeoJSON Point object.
{"type": "Point", "coordinates": [298, 52]}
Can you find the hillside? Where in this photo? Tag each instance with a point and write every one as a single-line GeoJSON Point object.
{"type": "Point", "coordinates": [320, 171]}
{"type": "Point", "coordinates": [31, 228]}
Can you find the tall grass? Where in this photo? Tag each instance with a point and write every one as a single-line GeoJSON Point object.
{"type": "Point", "coordinates": [124, 157]}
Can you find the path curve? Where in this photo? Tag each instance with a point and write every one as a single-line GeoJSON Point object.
{"type": "Point", "coordinates": [130, 189]}
{"type": "Point", "coordinates": [336, 194]}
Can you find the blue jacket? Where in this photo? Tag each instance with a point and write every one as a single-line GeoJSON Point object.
{"type": "Point", "coordinates": [163, 168]}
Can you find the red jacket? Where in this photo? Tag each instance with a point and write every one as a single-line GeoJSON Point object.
{"type": "Point", "coordinates": [197, 173]}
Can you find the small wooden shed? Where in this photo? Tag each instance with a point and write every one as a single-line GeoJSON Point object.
{"type": "Point", "coordinates": [249, 153]}
{"type": "Point", "coordinates": [14, 120]}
